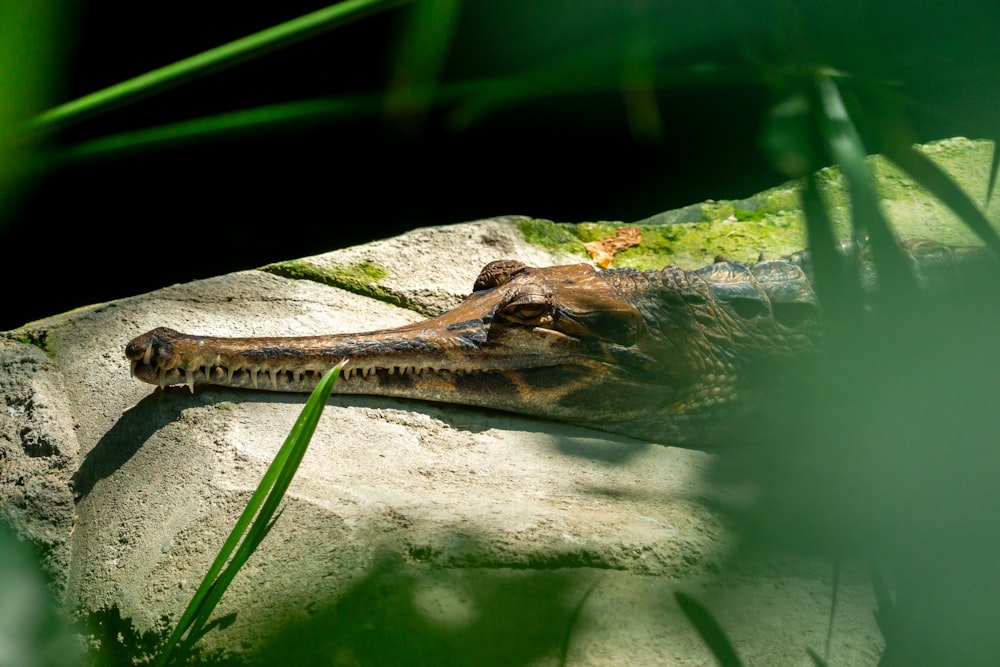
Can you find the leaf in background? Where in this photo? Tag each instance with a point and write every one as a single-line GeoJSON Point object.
{"type": "Point", "coordinates": [31, 48]}
{"type": "Point", "coordinates": [297, 115]}
{"type": "Point", "coordinates": [847, 149]}
{"type": "Point", "coordinates": [921, 169]}
{"type": "Point", "coordinates": [994, 166]}
{"type": "Point", "coordinates": [837, 288]}
{"type": "Point", "coordinates": [208, 62]}
{"type": "Point", "coordinates": [417, 67]}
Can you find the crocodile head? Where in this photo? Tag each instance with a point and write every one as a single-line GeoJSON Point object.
{"type": "Point", "coordinates": [624, 351]}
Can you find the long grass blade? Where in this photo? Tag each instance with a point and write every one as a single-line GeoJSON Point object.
{"type": "Point", "coordinates": [221, 126]}
{"type": "Point", "coordinates": [921, 169]}
{"type": "Point", "coordinates": [848, 150]}
{"type": "Point", "coordinates": [252, 526]}
{"type": "Point", "coordinates": [994, 168]}
{"type": "Point", "coordinates": [837, 288]}
{"type": "Point", "coordinates": [417, 67]}
{"type": "Point", "coordinates": [207, 62]}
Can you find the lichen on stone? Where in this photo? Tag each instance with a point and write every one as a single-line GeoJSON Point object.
{"type": "Point", "coordinates": [360, 278]}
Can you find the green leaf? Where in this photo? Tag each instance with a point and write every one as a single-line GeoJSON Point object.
{"type": "Point", "coordinates": [994, 167]}
{"type": "Point", "coordinates": [251, 527]}
{"type": "Point", "coordinates": [208, 62]}
{"type": "Point", "coordinates": [922, 170]}
{"type": "Point", "coordinates": [837, 288]}
{"type": "Point", "coordinates": [848, 150]}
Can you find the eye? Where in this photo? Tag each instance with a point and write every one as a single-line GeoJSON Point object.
{"type": "Point", "coordinates": [526, 311]}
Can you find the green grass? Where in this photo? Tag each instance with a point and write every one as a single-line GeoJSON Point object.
{"type": "Point", "coordinates": [207, 62]}
{"type": "Point", "coordinates": [253, 524]}
{"type": "Point", "coordinates": [878, 450]}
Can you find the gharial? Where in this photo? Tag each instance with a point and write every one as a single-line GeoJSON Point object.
{"type": "Point", "coordinates": [653, 354]}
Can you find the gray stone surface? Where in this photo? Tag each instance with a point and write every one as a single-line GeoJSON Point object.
{"type": "Point", "coordinates": [414, 533]}
{"type": "Point", "coordinates": [38, 453]}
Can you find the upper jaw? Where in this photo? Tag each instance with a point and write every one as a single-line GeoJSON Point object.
{"type": "Point", "coordinates": [165, 357]}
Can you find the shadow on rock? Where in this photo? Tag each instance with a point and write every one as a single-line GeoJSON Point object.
{"type": "Point", "coordinates": [128, 435]}
{"type": "Point", "coordinates": [403, 615]}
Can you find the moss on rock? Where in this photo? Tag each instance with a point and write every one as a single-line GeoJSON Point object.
{"type": "Point", "coordinates": [772, 221]}
{"type": "Point", "coordinates": [361, 278]}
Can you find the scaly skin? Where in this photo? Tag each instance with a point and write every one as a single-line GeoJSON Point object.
{"type": "Point", "coordinates": [653, 355]}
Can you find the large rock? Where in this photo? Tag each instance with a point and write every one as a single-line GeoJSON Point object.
{"type": "Point", "coordinates": [414, 533]}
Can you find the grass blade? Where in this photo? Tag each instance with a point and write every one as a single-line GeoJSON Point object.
{"type": "Point", "coordinates": [838, 289]}
{"type": "Point", "coordinates": [417, 70]}
{"type": "Point", "coordinates": [207, 62]}
{"type": "Point", "coordinates": [921, 169]}
{"type": "Point", "coordinates": [709, 629]}
{"type": "Point", "coordinates": [994, 168]}
{"type": "Point", "coordinates": [848, 150]}
{"type": "Point", "coordinates": [249, 529]}
{"type": "Point", "coordinates": [226, 125]}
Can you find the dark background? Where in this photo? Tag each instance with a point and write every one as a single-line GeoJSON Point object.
{"type": "Point", "coordinates": [124, 225]}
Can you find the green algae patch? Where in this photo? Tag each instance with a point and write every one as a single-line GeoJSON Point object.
{"type": "Point", "coordinates": [34, 338]}
{"type": "Point", "coordinates": [688, 245]}
{"type": "Point", "coordinates": [361, 278]}
{"type": "Point", "coordinates": [556, 237]}
{"type": "Point", "coordinates": [771, 222]}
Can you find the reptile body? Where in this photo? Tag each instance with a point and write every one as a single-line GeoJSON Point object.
{"type": "Point", "coordinates": [653, 354]}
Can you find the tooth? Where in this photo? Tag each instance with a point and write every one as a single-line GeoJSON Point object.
{"type": "Point", "coordinates": [253, 377]}
{"type": "Point", "coordinates": [149, 353]}
{"type": "Point", "coordinates": [274, 378]}
{"type": "Point", "coordinates": [390, 370]}
{"type": "Point", "coordinates": [298, 377]}
{"type": "Point", "coordinates": [161, 379]}
{"type": "Point", "coordinates": [189, 379]}
{"type": "Point", "coordinates": [131, 370]}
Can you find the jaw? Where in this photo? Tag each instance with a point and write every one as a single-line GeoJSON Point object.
{"type": "Point", "coordinates": [557, 342]}
{"type": "Point", "coordinates": [540, 375]}
{"type": "Point", "coordinates": [541, 391]}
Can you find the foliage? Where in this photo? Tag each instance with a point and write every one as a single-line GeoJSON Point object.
{"type": "Point", "coordinates": [254, 523]}
{"type": "Point", "coordinates": [877, 450]}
